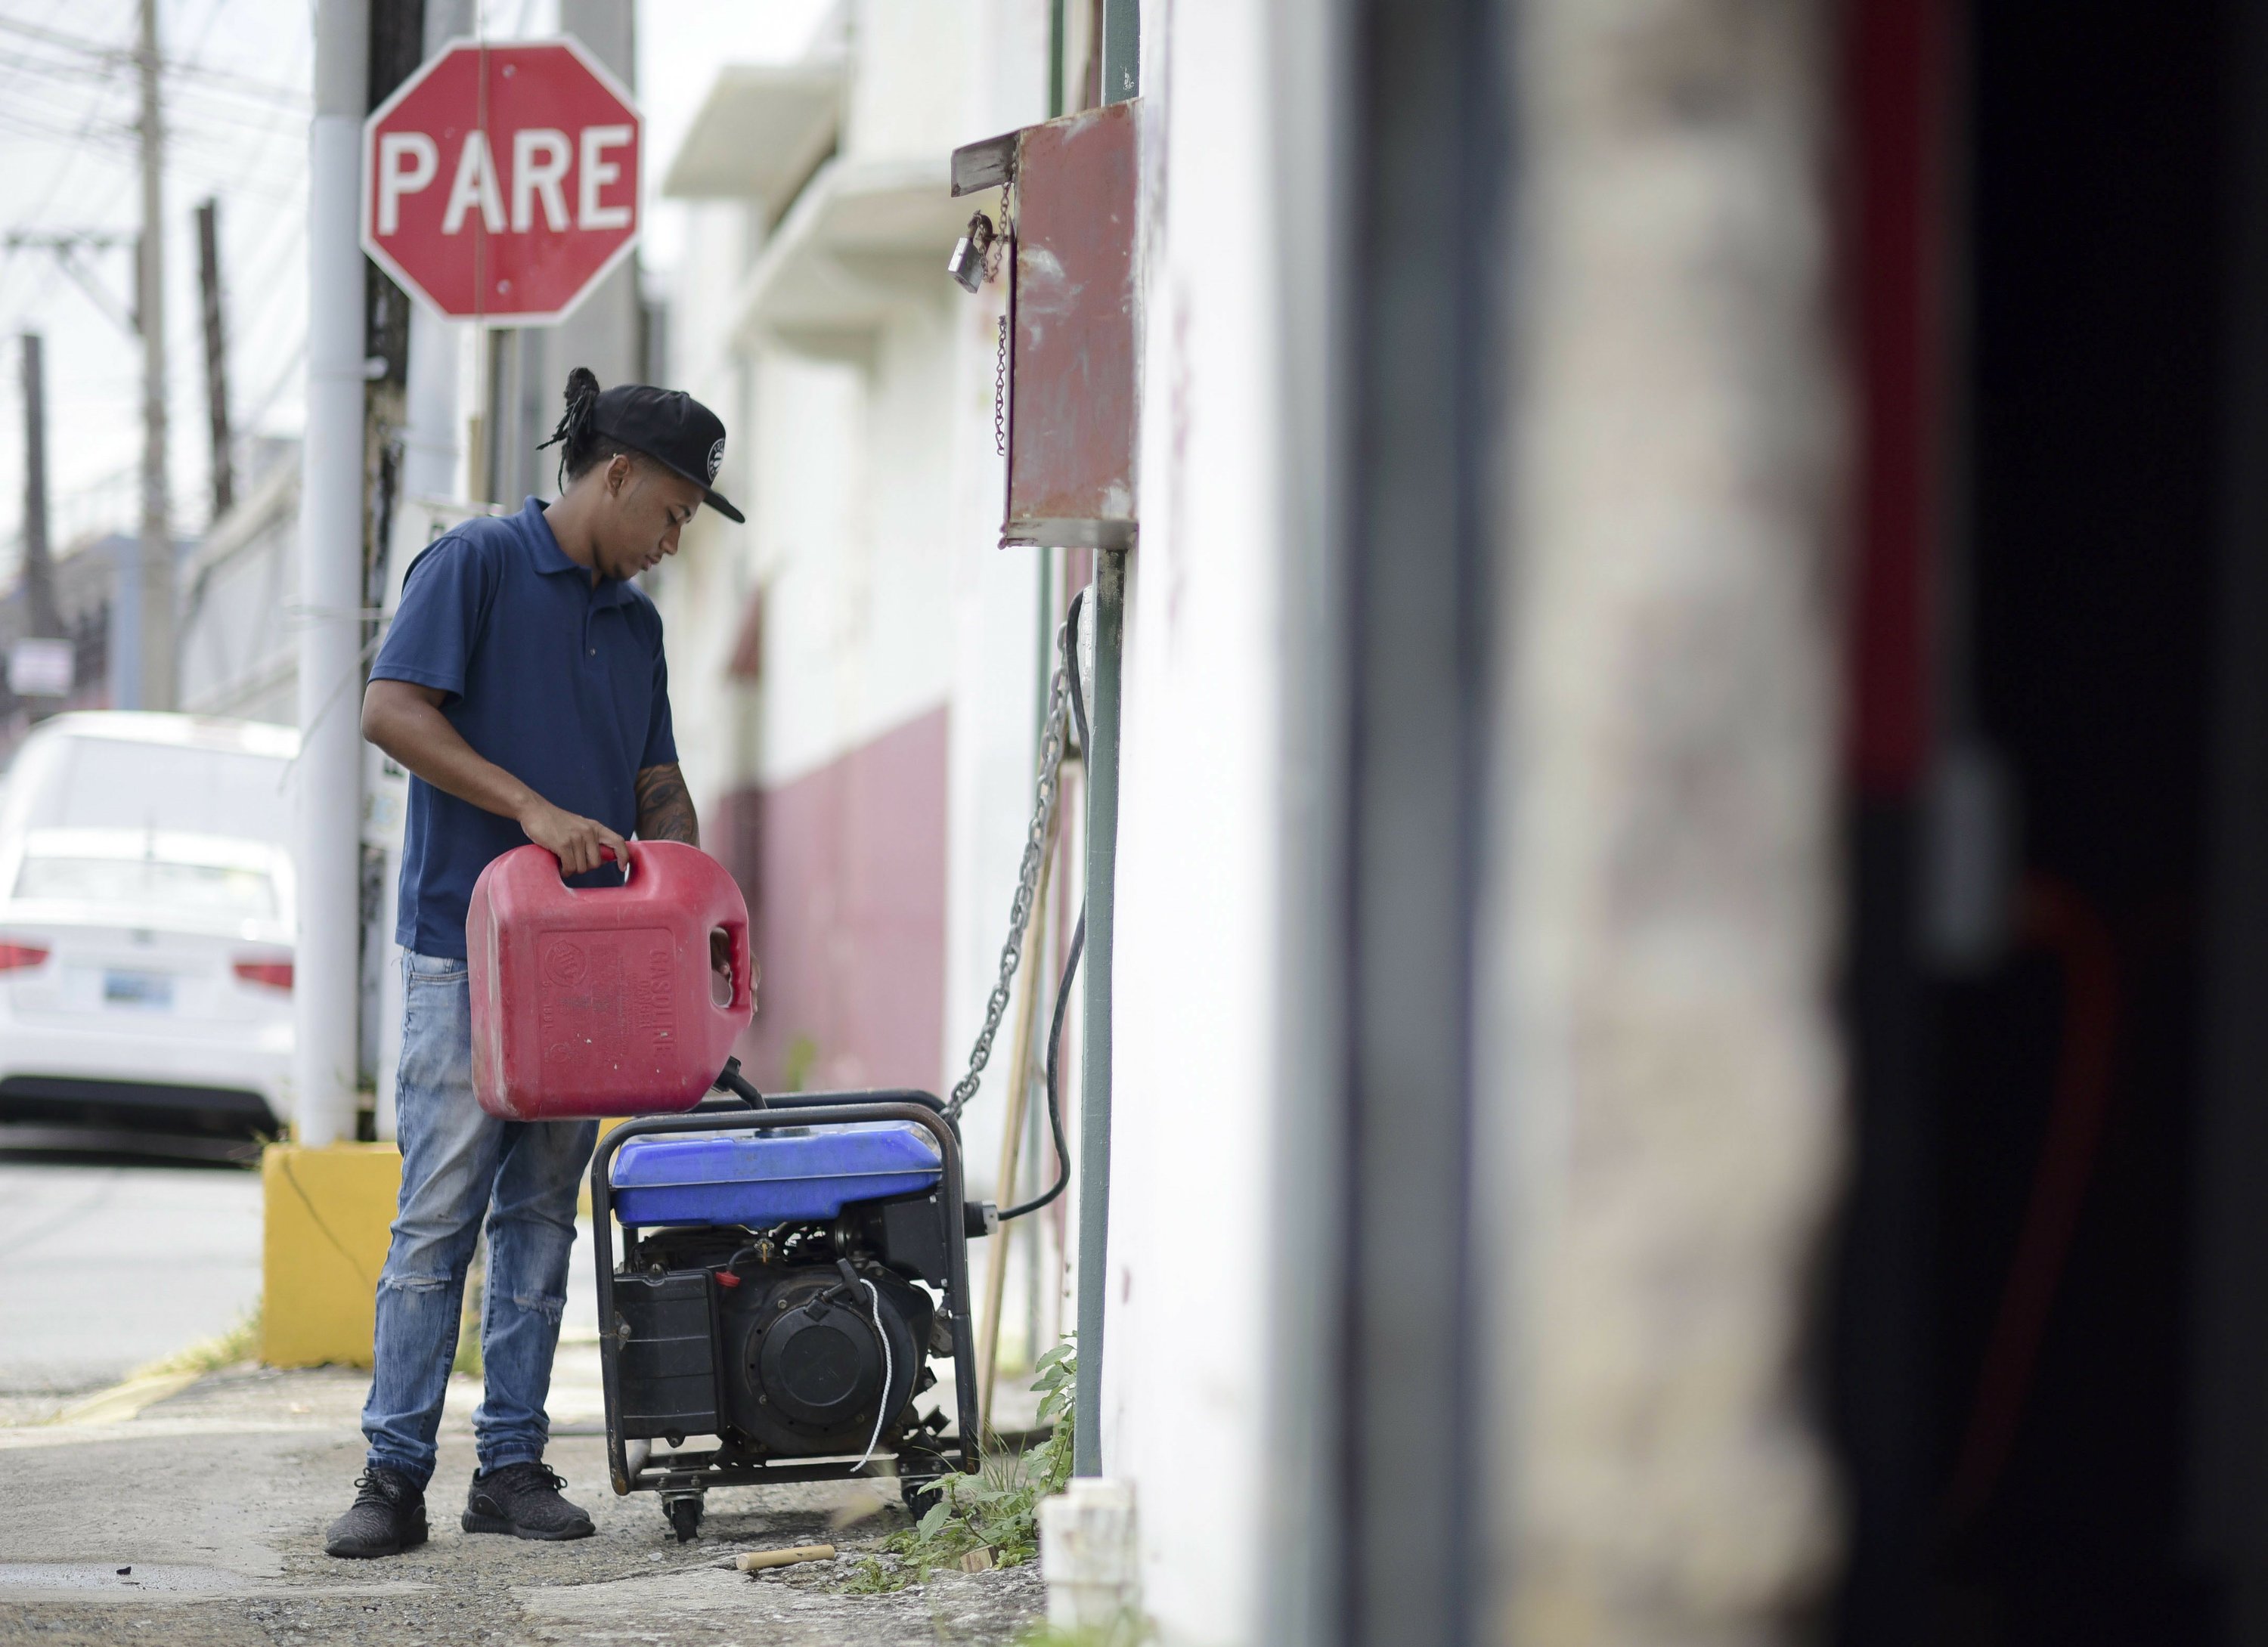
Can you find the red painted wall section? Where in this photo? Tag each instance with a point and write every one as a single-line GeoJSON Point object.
{"type": "Point", "coordinates": [844, 873]}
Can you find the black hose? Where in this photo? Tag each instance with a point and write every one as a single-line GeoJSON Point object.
{"type": "Point", "coordinates": [1055, 1098]}
{"type": "Point", "coordinates": [1071, 669]}
{"type": "Point", "coordinates": [739, 1085]}
{"type": "Point", "coordinates": [1077, 944]}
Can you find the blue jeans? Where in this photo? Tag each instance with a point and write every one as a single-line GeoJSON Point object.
{"type": "Point", "coordinates": [459, 1162]}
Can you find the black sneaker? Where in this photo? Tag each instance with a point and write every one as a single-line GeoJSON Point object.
{"type": "Point", "coordinates": [388, 1517]}
{"type": "Point", "coordinates": [523, 1500]}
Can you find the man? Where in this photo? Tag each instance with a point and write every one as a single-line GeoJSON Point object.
{"type": "Point", "coordinates": [522, 685]}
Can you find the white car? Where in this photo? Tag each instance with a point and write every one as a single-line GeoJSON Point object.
{"type": "Point", "coordinates": [146, 924]}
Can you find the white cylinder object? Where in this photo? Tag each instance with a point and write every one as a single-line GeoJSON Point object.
{"type": "Point", "coordinates": [1089, 1553]}
{"type": "Point", "coordinates": [327, 986]}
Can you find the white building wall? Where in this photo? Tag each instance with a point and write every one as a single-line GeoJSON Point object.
{"type": "Point", "coordinates": [1195, 962]}
{"type": "Point", "coordinates": [853, 540]}
{"type": "Point", "coordinates": [993, 601]}
{"type": "Point", "coordinates": [237, 590]}
{"type": "Point", "coordinates": [700, 595]}
{"type": "Point", "coordinates": [703, 591]}
{"type": "Point", "coordinates": [905, 85]}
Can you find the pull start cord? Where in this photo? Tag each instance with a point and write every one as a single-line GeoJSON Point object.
{"type": "Point", "coordinates": [883, 1406]}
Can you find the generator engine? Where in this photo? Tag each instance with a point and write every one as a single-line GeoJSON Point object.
{"type": "Point", "coordinates": [804, 1340]}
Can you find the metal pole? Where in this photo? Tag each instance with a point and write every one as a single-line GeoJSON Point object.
{"type": "Point", "coordinates": [428, 471]}
{"type": "Point", "coordinates": [224, 467]}
{"type": "Point", "coordinates": [496, 377]}
{"type": "Point", "coordinates": [1094, 1062]}
{"type": "Point", "coordinates": [328, 986]}
{"type": "Point", "coordinates": [1122, 50]}
{"type": "Point", "coordinates": [39, 566]}
{"type": "Point", "coordinates": [157, 571]}
{"type": "Point", "coordinates": [1055, 58]}
{"type": "Point", "coordinates": [532, 412]}
{"type": "Point", "coordinates": [602, 334]}
{"type": "Point", "coordinates": [1122, 39]}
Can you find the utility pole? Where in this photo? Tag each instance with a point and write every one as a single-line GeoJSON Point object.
{"type": "Point", "coordinates": [327, 995]}
{"type": "Point", "coordinates": [429, 471]}
{"type": "Point", "coordinates": [224, 469]}
{"type": "Point", "coordinates": [39, 569]}
{"type": "Point", "coordinates": [157, 571]}
{"type": "Point", "coordinates": [602, 334]}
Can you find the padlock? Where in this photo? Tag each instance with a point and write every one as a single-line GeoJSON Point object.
{"type": "Point", "coordinates": [967, 264]}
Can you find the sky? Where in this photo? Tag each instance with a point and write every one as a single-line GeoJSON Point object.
{"type": "Point", "coordinates": [236, 118]}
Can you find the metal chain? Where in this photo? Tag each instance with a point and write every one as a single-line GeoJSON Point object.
{"type": "Point", "coordinates": [993, 255]}
{"type": "Point", "coordinates": [998, 251]}
{"type": "Point", "coordinates": [1000, 395]}
{"type": "Point", "coordinates": [1027, 885]}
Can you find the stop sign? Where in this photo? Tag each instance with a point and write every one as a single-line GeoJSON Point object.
{"type": "Point", "coordinates": [500, 182]}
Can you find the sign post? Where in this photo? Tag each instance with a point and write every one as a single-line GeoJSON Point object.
{"type": "Point", "coordinates": [500, 182]}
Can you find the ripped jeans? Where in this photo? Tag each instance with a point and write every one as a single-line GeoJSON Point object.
{"type": "Point", "coordinates": [459, 1162]}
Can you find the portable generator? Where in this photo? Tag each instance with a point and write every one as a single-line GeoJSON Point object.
{"type": "Point", "coordinates": [790, 1270]}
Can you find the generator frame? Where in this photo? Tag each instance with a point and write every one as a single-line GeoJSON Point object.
{"type": "Point", "coordinates": [680, 1477]}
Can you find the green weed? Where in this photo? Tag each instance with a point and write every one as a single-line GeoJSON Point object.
{"type": "Point", "coordinates": [997, 1509]}
{"type": "Point", "coordinates": [795, 1069]}
{"type": "Point", "coordinates": [240, 1342]}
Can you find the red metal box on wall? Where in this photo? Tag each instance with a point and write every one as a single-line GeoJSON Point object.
{"type": "Point", "coordinates": [1074, 309]}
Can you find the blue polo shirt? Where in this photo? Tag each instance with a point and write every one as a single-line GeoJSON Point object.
{"type": "Point", "coordinates": [561, 684]}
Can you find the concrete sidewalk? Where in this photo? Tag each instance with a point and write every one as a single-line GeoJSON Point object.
{"type": "Point", "coordinates": [216, 1498]}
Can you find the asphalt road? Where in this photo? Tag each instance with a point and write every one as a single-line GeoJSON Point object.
{"type": "Point", "coordinates": [108, 1260]}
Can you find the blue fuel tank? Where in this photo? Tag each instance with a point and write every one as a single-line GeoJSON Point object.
{"type": "Point", "coordinates": [760, 1179]}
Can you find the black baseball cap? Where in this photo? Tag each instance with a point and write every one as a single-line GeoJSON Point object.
{"type": "Point", "coordinates": [671, 428]}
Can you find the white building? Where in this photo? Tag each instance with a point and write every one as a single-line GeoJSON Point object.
{"type": "Point", "coordinates": [854, 672]}
{"type": "Point", "coordinates": [855, 676]}
{"type": "Point", "coordinates": [237, 648]}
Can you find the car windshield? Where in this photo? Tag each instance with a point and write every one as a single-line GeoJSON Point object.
{"type": "Point", "coordinates": [122, 784]}
{"type": "Point", "coordinates": [151, 885]}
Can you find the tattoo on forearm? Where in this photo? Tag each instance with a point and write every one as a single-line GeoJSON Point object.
{"type": "Point", "coordinates": [665, 810]}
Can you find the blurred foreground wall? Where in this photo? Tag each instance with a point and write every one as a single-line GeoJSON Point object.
{"type": "Point", "coordinates": [1477, 1113]}
{"type": "Point", "coordinates": [1662, 1073]}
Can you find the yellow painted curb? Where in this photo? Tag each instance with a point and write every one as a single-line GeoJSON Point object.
{"type": "Point", "coordinates": [328, 1212]}
{"type": "Point", "coordinates": [122, 1401]}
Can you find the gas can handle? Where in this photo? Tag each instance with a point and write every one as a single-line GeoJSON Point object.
{"type": "Point", "coordinates": [744, 989]}
{"type": "Point", "coordinates": [629, 859]}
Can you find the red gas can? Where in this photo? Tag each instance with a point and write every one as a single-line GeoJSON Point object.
{"type": "Point", "coordinates": [597, 1001]}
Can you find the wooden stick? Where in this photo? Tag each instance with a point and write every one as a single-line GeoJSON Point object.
{"type": "Point", "coordinates": [1012, 1137]}
{"type": "Point", "coordinates": [756, 1561]}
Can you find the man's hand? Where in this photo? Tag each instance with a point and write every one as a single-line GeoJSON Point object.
{"type": "Point", "coordinates": [575, 841]}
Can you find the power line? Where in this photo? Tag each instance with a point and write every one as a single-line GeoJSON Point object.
{"type": "Point", "coordinates": [72, 91]}
{"type": "Point", "coordinates": [123, 58]}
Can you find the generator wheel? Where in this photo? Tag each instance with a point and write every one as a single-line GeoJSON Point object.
{"type": "Point", "coordinates": [919, 1472]}
{"type": "Point", "coordinates": [684, 1516]}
